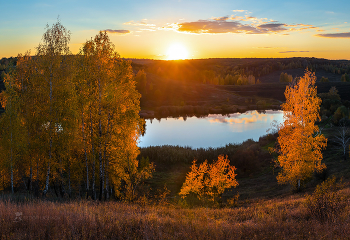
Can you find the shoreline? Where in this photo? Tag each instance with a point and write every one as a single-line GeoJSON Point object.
{"type": "Point", "coordinates": [200, 111]}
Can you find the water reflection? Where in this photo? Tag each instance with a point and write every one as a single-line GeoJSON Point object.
{"type": "Point", "coordinates": [215, 130]}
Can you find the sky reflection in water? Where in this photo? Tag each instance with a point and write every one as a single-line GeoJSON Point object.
{"type": "Point", "coordinates": [212, 131]}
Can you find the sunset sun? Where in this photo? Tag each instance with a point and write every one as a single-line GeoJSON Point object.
{"type": "Point", "coordinates": [176, 52]}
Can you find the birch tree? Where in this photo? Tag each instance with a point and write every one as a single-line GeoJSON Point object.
{"type": "Point", "coordinates": [10, 128]}
{"type": "Point", "coordinates": [299, 145]}
{"type": "Point", "coordinates": [54, 91]}
{"type": "Point", "coordinates": [112, 104]}
{"type": "Point", "coordinates": [342, 138]}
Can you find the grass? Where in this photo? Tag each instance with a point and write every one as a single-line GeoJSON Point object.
{"type": "Point", "coordinates": [265, 210]}
{"type": "Point", "coordinates": [281, 218]}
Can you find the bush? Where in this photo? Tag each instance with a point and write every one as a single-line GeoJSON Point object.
{"type": "Point", "coordinates": [209, 181]}
{"type": "Point", "coordinates": [325, 203]}
{"type": "Point", "coordinates": [285, 77]}
{"type": "Point", "coordinates": [345, 78]}
{"type": "Point", "coordinates": [324, 79]}
{"type": "Point", "coordinates": [340, 113]}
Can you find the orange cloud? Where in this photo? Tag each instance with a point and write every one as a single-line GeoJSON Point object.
{"type": "Point", "coordinates": [236, 24]}
{"type": "Point", "coordinates": [334, 35]}
{"type": "Point", "coordinates": [122, 32]}
{"type": "Point", "coordinates": [207, 26]}
{"type": "Point", "coordinates": [227, 24]}
{"type": "Point", "coordinates": [292, 51]}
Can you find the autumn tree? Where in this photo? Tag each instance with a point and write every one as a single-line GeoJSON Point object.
{"type": "Point", "coordinates": [141, 81]}
{"type": "Point", "coordinates": [345, 78]}
{"type": "Point", "coordinates": [72, 120]}
{"type": "Point", "coordinates": [10, 129]}
{"type": "Point", "coordinates": [53, 89]}
{"type": "Point", "coordinates": [209, 181]}
{"type": "Point", "coordinates": [299, 145]}
{"type": "Point", "coordinates": [285, 77]}
{"type": "Point", "coordinates": [110, 105]}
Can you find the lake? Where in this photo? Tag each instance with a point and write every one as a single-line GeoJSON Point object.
{"type": "Point", "coordinates": [215, 130]}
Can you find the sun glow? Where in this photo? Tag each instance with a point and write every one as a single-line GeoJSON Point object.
{"type": "Point", "coordinates": [176, 52]}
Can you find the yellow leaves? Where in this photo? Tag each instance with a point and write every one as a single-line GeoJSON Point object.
{"type": "Point", "coordinates": [3, 99]}
{"type": "Point", "coordinates": [209, 180]}
{"type": "Point", "coordinates": [300, 150]}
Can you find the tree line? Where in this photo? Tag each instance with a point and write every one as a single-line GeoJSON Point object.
{"type": "Point", "coordinates": [71, 122]}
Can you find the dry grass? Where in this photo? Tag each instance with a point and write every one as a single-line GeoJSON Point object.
{"type": "Point", "coordinates": [271, 219]}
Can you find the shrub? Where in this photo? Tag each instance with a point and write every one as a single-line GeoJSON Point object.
{"type": "Point", "coordinates": [285, 77]}
{"type": "Point", "coordinates": [345, 78]}
{"type": "Point", "coordinates": [325, 203]}
{"type": "Point", "coordinates": [209, 181]}
{"type": "Point", "coordinates": [340, 113]}
{"type": "Point", "coordinates": [324, 79]}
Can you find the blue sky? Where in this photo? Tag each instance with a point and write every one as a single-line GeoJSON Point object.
{"type": "Point", "coordinates": [146, 29]}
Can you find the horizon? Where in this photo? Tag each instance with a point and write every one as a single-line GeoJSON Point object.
{"type": "Point", "coordinates": [177, 29]}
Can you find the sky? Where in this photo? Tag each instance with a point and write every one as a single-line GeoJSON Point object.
{"type": "Point", "coordinates": [160, 29]}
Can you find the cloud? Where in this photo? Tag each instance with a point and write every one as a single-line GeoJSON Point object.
{"type": "Point", "coordinates": [221, 18]}
{"type": "Point", "coordinates": [143, 22]}
{"type": "Point", "coordinates": [292, 51]}
{"type": "Point", "coordinates": [208, 26]}
{"type": "Point", "coordinates": [239, 118]}
{"type": "Point", "coordinates": [121, 32]}
{"type": "Point", "coordinates": [221, 25]}
{"type": "Point", "coordinates": [334, 35]}
{"type": "Point", "coordinates": [272, 27]}
{"type": "Point", "coordinates": [266, 47]}
{"type": "Point", "coordinates": [245, 24]}
{"type": "Point", "coordinates": [236, 24]}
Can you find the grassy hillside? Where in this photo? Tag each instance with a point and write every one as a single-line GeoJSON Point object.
{"type": "Point", "coordinates": [280, 218]}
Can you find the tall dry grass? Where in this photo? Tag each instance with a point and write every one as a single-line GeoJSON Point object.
{"type": "Point", "coordinates": [286, 218]}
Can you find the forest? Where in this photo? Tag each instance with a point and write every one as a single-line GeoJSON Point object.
{"type": "Point", "coordinates": [200, 86]}
{"type": "Point", "coordinates": [70, 166]}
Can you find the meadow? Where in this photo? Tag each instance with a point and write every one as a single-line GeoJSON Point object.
{"type": "Point", "coordinates": [280, 218]}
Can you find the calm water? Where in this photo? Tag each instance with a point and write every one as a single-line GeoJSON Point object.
{"type": "Point", "coordinates": [212, 131]}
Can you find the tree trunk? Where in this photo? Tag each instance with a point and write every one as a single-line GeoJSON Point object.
{"type": "Point", "coordinates": [106, 161]}
{"type": "Point", "coordinates": [36, 189]}
{"type": "Point", "coordinates": [46, 189]}
{"type": "Point", "coordinates": [100, 141]}
{"type": "Point", "coordinates": [11, 143]}
{"type": "Point", "coordinates": [11, 176]}
{"type": "Point", "coordinates": [100, 162]}
{"type": "Point", "coordinates": [55, 188]}
{"type": "Point", "coordinates": [62, 189]}
{"type": "Point", "coordinates": [107, 181]}
{"type": "Point", "coordinates": [85, 152]}
{"type": "Point", "coordinates": [30, 176]}
{"type": "Point", "coordinates": [69, 185]}
{"type": "Point", "coordinates": [93, 161]}
{"type": "Point", "coordinates": [50, 132]}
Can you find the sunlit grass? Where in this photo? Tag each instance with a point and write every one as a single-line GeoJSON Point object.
{"type": "Point", "coordinates": [285, 218]}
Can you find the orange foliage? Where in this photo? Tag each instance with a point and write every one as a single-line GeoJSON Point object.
{"type": "Point", "coordinates": [209, 180]}
{"type": "Point", "coordinates": [300, 148]}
